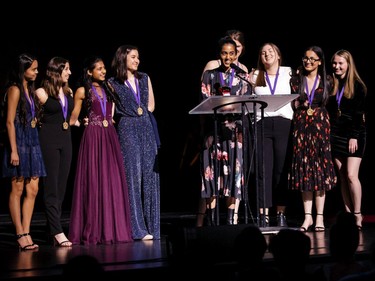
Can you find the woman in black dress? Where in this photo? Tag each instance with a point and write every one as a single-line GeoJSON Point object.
{"type": "Point", "coordinates": [312, 171]}
{"type": "Point", "coordinates": [348, 132]}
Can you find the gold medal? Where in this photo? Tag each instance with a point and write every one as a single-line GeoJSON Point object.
{"type": "Point", "coordinates": [140, 111]}
{"type": "Point", "coordinates": [33, 123]}
{"type": "Point", "coordinates": [65, 125]}
{"type": "Point", "coordinates": [338, 112]}
{"type": "Point", "coordinates": [105, 123]}
{"type": "Point", "coordinates": [310, 111]}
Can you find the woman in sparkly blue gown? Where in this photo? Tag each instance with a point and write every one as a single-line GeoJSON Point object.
{"type": "Point", "coordinates": [138, 142]}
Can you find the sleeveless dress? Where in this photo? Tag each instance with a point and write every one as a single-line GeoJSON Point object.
{"type": "Point", "coordinates": [28, 147]}
{"type": "Point", "coordinates": [140, 155]}
{"type": "Point", "coordinates": [100, 211]}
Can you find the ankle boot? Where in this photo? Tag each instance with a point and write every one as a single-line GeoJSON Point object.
{"type": "Point", "coordinates": [230, 216]}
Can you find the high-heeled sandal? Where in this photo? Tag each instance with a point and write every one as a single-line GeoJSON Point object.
{"type": "Point", "coordinates": [26, 247]}
{"type": "Point", "coordinates": [358, 217]}
{"type": "Point", "coordinates": [308, 228]}
{"type": "Point", "coordinates": [319, 228]}
{"type": "Point", "coordinates": [64, 243]}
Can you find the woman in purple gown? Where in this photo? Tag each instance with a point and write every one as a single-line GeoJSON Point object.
{"type": "Point", "coordinates": [100, 209]}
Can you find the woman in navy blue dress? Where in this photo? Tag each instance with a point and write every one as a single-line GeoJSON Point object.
{"type": "Point", "coordinates": [23, 161]}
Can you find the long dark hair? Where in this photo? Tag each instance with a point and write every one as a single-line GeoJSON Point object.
{"type": "Point", "coordinates": [326, 81]}
{"type": "Point", "coordinates": [87, 80]}
{"type": "Point", "coordinates": [15, 77]}
{"type": "Point", "coordinates": [52, 81]}
{"type": "Point", "coordinates": [119, 63]}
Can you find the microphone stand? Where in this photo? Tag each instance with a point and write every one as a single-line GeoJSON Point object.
{"type": "Point", "coordinates": [256, 156]}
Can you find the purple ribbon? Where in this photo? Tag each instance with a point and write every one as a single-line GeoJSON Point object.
{"type": "Point", "coordinates": [103, 101]}
{"type": "Point", "coordinates": [32, 105]}
{"type": "Point", "coordinates": [135, 93]}
{"type": "Point", "coordinates": [339, 96]}
{"type": "Point", "coordinates": [310, 96]}
{"type": "Point", "coordinates": [272, 89]}
{"type": "Point", "coordinates": [64, 107]}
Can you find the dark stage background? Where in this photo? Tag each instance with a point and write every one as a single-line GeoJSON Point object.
{"type": "Point", "coordinates": [174, 47]}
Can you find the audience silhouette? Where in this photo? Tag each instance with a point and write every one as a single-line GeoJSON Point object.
{"type": "Point", "coordinates": [343, 244]}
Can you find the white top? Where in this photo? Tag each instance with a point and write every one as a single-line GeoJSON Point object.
{"type": "Point", "coordinates": [282, 88]}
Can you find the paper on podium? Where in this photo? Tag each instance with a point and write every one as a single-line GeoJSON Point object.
{"type": "Point", "coordinates": [233, 104]}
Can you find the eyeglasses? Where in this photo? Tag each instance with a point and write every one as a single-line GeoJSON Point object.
{"type": "Point", "coordinates": [312, 60]}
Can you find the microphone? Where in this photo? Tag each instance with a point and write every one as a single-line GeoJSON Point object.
{"type": "Point", "coordinates": [237, 68]}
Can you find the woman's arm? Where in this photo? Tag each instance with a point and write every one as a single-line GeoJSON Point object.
{"type": "Point", "coordinates": [151, 98]}
{"type": "Point", "coordinates": [13, 97]}
{"type": "Point", "coordinates": [78, 100]}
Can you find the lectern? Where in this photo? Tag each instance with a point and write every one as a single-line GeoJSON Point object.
{"type": "Point", "coordinates": [247, 105]}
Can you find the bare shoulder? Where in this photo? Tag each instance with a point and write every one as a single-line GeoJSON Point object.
{"type": "Point", "coordinates": [80, 93]}
{"type": "Point", "coordinates": [212, 64]}
{"type": "Point", "coordinates": [13, 90]}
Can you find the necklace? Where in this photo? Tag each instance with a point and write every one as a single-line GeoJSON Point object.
{"type": "Point", "coordinates": [310, 95]}
{"type": "Point", "coordinates": [136, 94]}
{"type": "Point", "coordinates": [103, 105]}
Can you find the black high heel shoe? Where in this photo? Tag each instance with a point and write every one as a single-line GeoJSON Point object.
{"type": "Point", "coordinates": [27, 246]}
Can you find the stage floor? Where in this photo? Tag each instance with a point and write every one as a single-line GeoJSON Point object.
{"type": "Point", "coordinates": [138, 257]}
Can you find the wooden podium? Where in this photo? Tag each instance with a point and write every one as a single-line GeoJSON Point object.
{"type": "Point", "coordinates": [247, 105]}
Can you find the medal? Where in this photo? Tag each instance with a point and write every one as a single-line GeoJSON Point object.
{"type": "Point", "coordinates": [136, 94]}
{"type": "Point", "coordinates": [310, 95]}
{"type": "Point", "coordinates": [103, 104]}
{"type": "Point", "coordinates": [140, 111]}
{"type": "Point", "coordinates": [310, 111]}
{"type": "Point", "coordinates": [32, 110]}
{"type": "Point", "coordinates": [64, 107]}
{"type": "Point", "coordinates": [33, 123]}
{"type": "Point", "coordinates": [338, 99]}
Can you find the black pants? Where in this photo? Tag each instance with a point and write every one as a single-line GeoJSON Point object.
{"type": "Point", "coordinates": [275, 150]}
